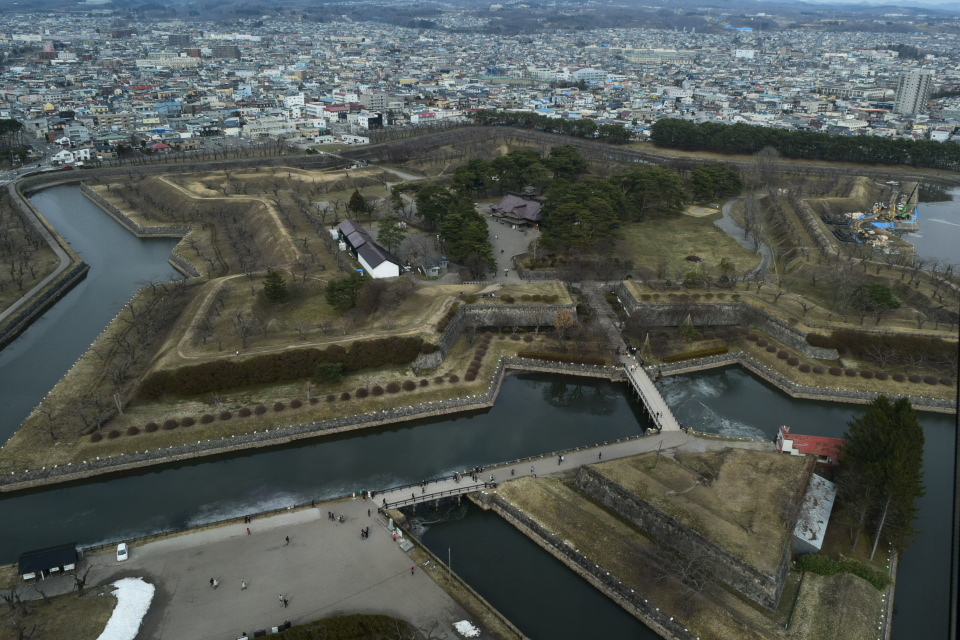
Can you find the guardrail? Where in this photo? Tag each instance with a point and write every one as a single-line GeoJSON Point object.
{"type": "Point", "coordinates": [427, 497]}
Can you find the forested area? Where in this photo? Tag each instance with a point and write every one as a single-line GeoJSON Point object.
{"type": "Point", "coordinates": [803, 145]}
{"type": "Point", "coordinates": [580, 128]}
{"type": "Point", "coordinates": [581, 212]}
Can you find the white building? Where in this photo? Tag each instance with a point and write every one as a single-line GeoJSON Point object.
{"type": "Point", "coordinates": [376, 261]}
{"type": "Point", "coordinates": [913, 91]}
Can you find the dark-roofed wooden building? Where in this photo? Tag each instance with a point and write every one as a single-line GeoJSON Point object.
{"type": "Point", "coordinates": [376, 261]}
{"type": "Point", "coordinates": [50, 562]}
{"type": "Point", "coordinates": [519, 209]}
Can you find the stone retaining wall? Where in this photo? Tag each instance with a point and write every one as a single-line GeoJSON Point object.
{"type": "Point", "coordinates": [283, 435]}
{"type": "Point", "coordinates": [163, 231]}
{"type": "Point", "coordinates": [794, 390]}
{"type": "Point", "coordinates": [482, 314]}
{"type": "Point", "coordinates": [17, 324]}
{"type": "Point", "coordinates": [602, 578]}
{"type": "Point", "coordinates": [177, 261]}
{"type": "Point", "coordinates": [736, 313]}
{"type": "Point", "coordinates": [763, 587]}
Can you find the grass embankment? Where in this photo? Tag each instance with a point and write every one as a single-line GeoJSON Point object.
{"type": "Point", "coordinates": [828, 381]}
{"type": "Point", "coordinates": [31, 447]}
{"type": "Point", "coordinates": [66, 616]}
{"type": "Point", "coordinates": [662, 244]}
{"type": "Point", "coordinates": [715, 613]}
{"type": "Point", "coordinates": [354, 627]}
{"type": "Point", "coordinates": [733, 502]}
{"type": "Point", "coordinates": [43, 262]}
{"type": "Point", "coordinates": [885, 171]}
{"type": "Point", "coordinates": [819, 325]}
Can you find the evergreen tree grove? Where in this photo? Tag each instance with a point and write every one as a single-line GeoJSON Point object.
{"type": "Point", "coordinates": [881, 472]}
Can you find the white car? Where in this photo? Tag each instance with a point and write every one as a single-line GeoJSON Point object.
{"type": "Point", "coordinates": [122, 552]}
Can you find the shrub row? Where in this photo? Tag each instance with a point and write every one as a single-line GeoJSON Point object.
{"type": "Point", "coordinates": [827, 566]}
{"type": "Point", "coordinates": [447, 317]}
{"type": "Point", "coordinates": [553, 357]}
{"type": "Point", "coordinates": [702, 353]}
{"type": "Point", "coordinates": [284, 366]}
{"type": "Point", "coordinates": [867, 374]}
{"type": "Point", "coordinates": [902, 348]}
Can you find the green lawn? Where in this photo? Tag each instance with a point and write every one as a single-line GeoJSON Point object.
{"type": "Point", "coordinates": [672, 239]}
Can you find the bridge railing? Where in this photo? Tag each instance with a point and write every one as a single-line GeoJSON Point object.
{"type": "Point", "coordinates": [427, 497]}
{"type": "Point", "coordinates": [636, 386]}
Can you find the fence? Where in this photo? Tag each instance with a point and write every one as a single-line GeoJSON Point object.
{"type": "Point", "coordinates": [427, 497]}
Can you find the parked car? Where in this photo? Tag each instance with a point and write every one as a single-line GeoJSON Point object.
{"type": "Point", "coordinates": [122, 552]}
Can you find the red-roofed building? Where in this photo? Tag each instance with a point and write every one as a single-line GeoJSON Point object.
{"type": "Point", "coordinates": [827, 450]}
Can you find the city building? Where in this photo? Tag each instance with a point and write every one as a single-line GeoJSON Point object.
{"type": "Point", "coordinates": [913, 91]}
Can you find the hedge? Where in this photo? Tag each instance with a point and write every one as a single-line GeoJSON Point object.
{"type": "Point", "coordinates": [702, 353]}
{"type": "Point", "coordinates": [151, 427]}
{"type": "Point", "coordinates": [451, 312]}
{"type": "Point", "coordinates": [553, 357]}
{"type": "Point", "coordinates": [206, 418]}
{"type": "Point", "coordinates": [132, 430]}
{"type": "Point", "coordinates": [827, 566]}
{"type": "Point", "coordinates": [244, 412]}
{"type": "Point", "coordinates": [351, 627]}
{"type": "Point", "coordinates": [225, 415]}
{"type": "Point", "coordinates": [905, 348]}
{"type": "Point", "coordinates": [285, 366]}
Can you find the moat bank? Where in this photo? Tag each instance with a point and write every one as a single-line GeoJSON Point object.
{"type": "Point", "coordinates": [534, 414]}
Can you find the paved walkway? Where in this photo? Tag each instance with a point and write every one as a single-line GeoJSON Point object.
{"type": "Point", "coordinates": [544, 465]}
{"type": "Point", "coordinates": [325, 570]}
{"type": "Point", "coordinates": [746, 240]}
{"type": "Point", "coordinates": [654, 402]}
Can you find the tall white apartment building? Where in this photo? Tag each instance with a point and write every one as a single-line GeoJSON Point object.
{"type": "Point", "coordinates": [913, 91]}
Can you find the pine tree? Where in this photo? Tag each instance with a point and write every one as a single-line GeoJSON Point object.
{"type": "Point", "coordinates": [881, 471]}
{"type": "Point", "coordinates": [275, 287]}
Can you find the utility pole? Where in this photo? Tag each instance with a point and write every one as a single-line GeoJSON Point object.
{"type": "Point", "coordinates": [658, 455]}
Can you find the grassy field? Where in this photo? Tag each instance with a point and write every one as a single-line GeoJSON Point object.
{"type": "Point", "coordinates": [66, 616]}
{"type": "Point", "coordinates": [44, 261]}
{"type": "Point", "coordinates": [736, 507]}
{"type": "Point", "coordinates": [631, 558]}
{"type": "Point", "coordinates": [714, 613]}
{"type": "Point", "coordinates": [670, 240]}
{"type": "Point", "coordinates": [828, 381]}
{"type": "Point", "coordinates": [30, 447]}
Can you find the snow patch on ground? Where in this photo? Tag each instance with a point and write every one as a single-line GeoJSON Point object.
{"type": "Point", "coordinates": [133, 599]}
{"type": "Point", "coordinates": [466, 629]}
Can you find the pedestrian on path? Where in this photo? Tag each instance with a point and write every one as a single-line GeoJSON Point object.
{"type": "Point", "coordinates": [531, 469]}
{"type": "Point", "coordinates": [248, 530]}
{"type": "Point", "coordinates": [288, 540]}
{"type": "Point", "coordinates": [243, 585]}
{"type": "Point", "coordinates": [413, 570]}
{"type": "Point", "coordinates": [285, 603]}
{"type": "Point", "coordinates": [600, 455]}
{"type": "Point", "coordinates": [281, 599]}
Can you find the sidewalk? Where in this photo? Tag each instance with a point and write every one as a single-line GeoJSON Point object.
{"type": "Point", "coordinates": [325, 570]}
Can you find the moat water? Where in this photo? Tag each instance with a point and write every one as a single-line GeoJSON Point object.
{"type": "Point", "coordinates": [534, 414]}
